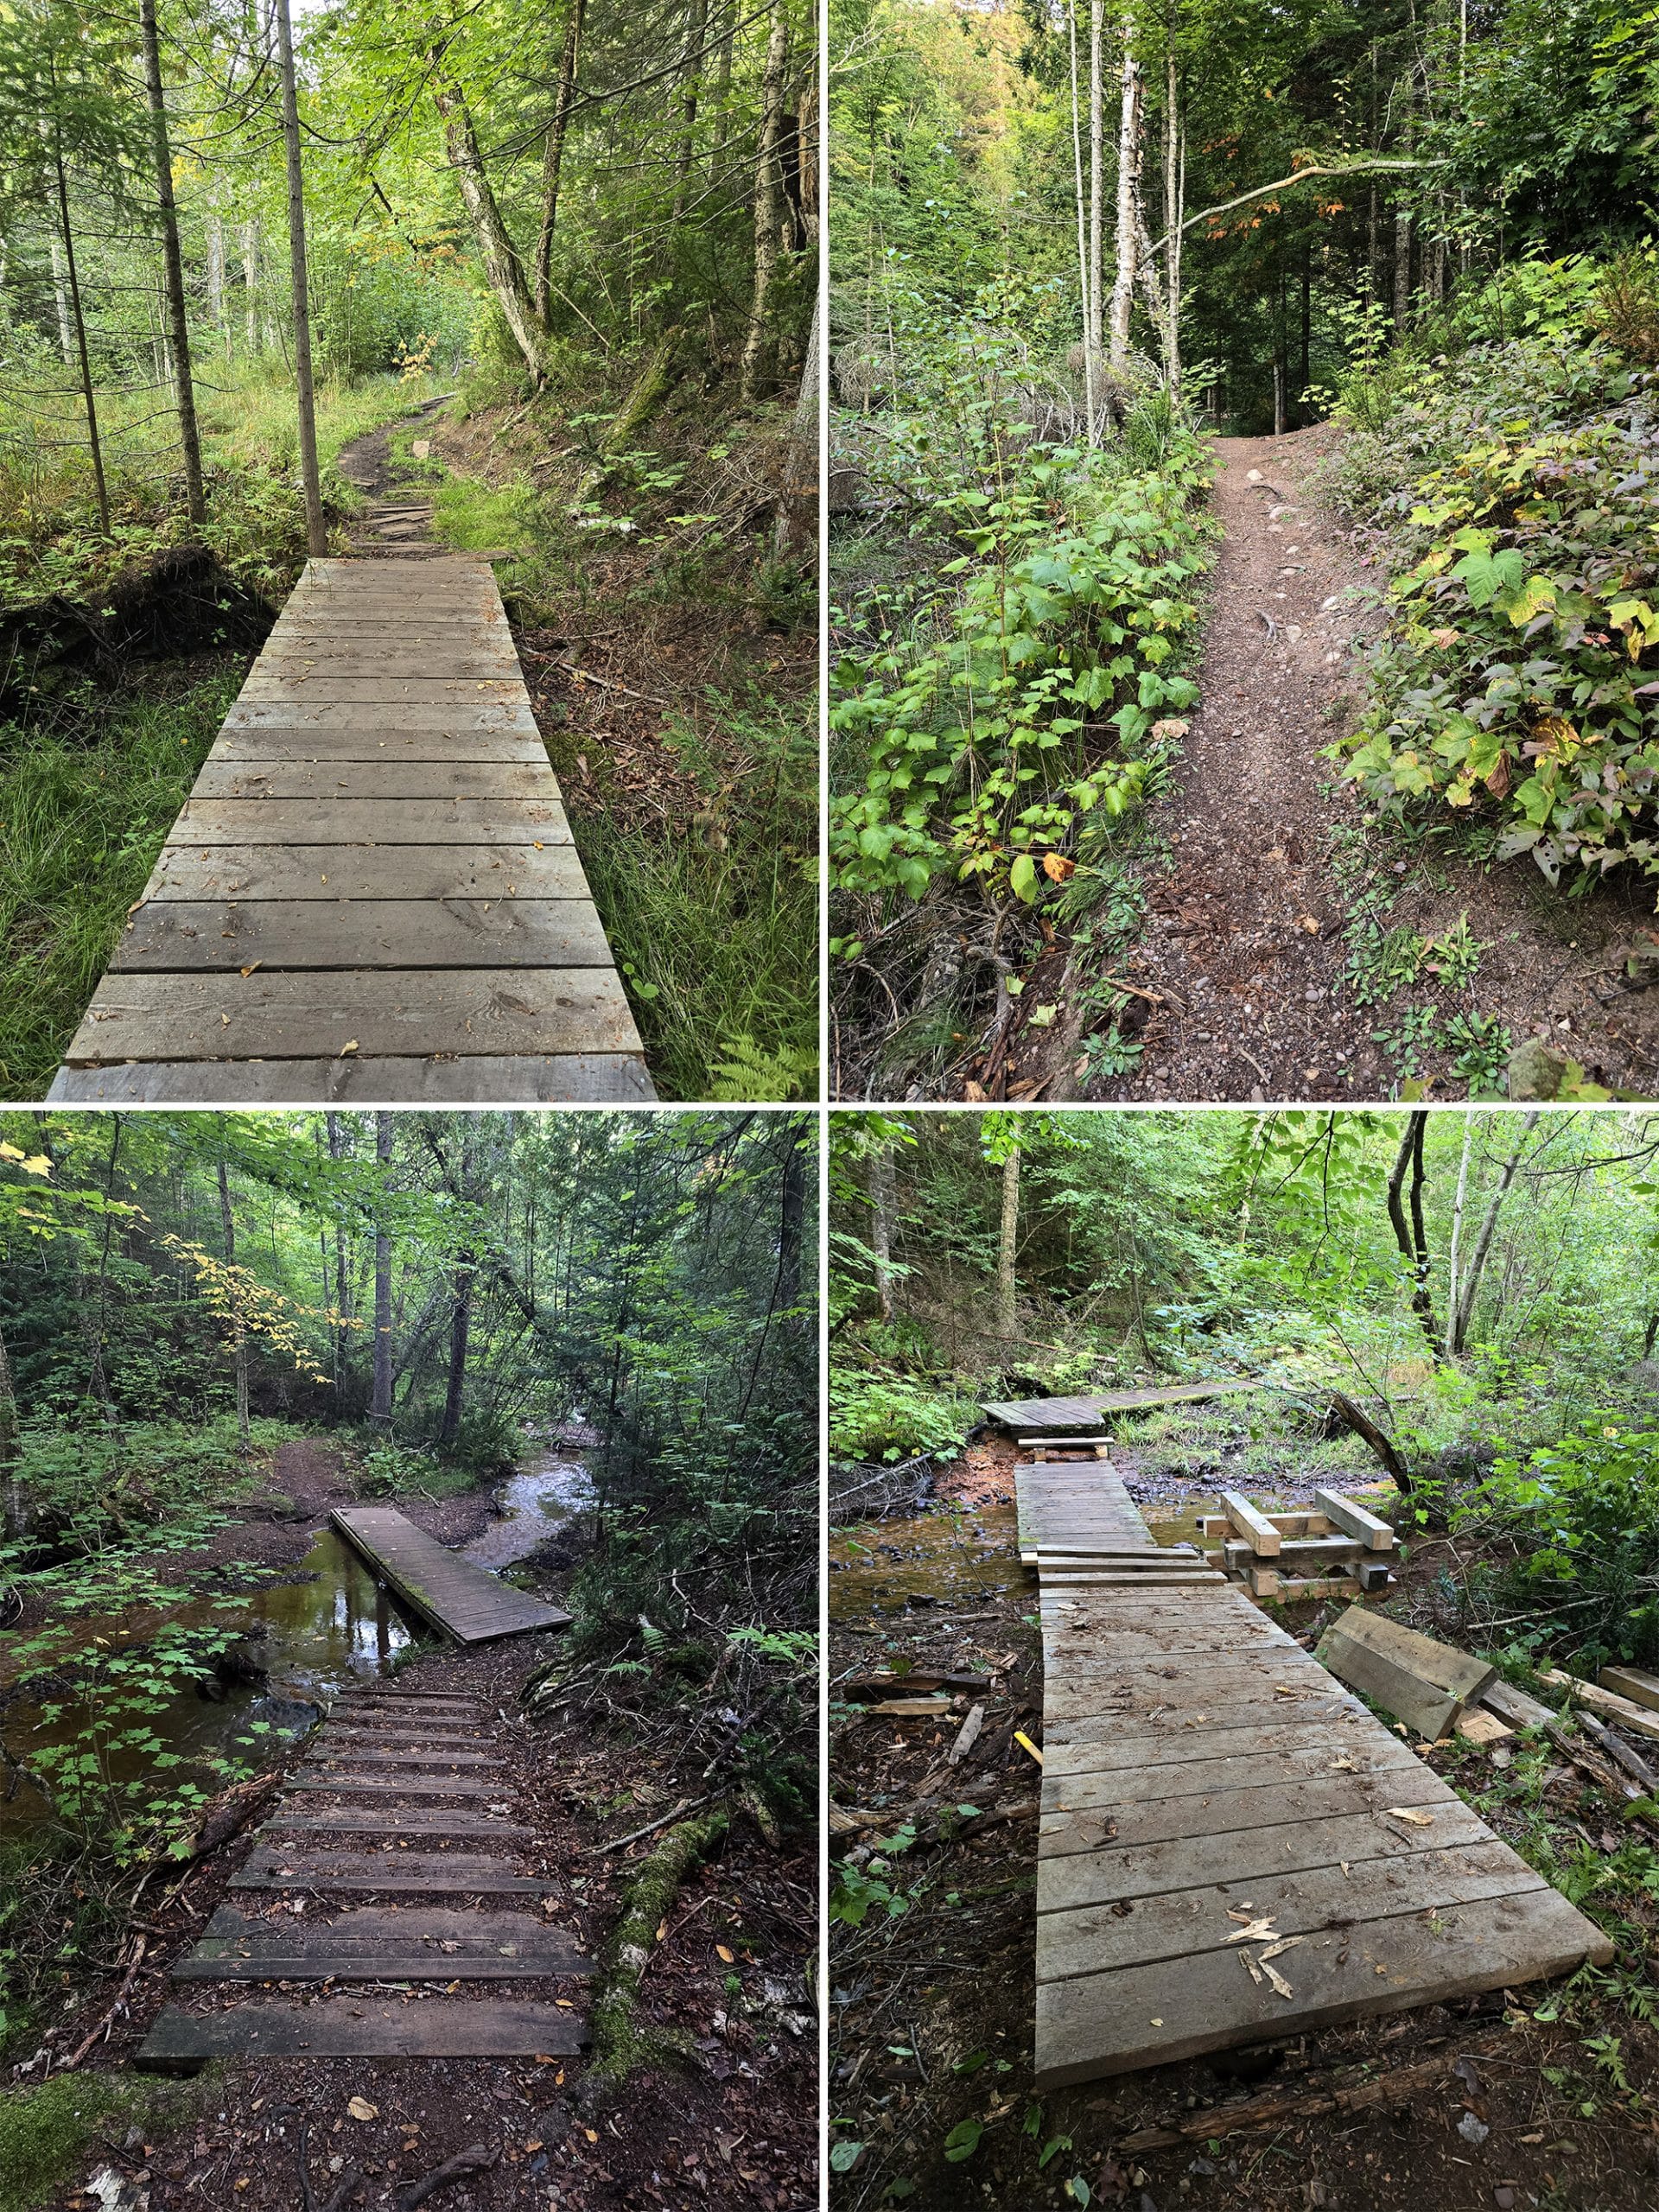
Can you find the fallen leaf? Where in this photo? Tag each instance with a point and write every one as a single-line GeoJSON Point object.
{"type": "Point", "coordinates": [721, 1951]}
{"type": "Point", "coordinates": [1058, 868]}
{"type": "Point", "coordinates": [344, 1049]}
{"type": "Point", "coordinates": [360, 2108]}
{"type": "Point", "coordinates": [249, 970]}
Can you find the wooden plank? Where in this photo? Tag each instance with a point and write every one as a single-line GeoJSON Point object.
{"type": "Point", "coordinates": [1515, 1706]}
{"type": "Point", "coordinates": [344, 1781]}
{"type": "Point", "coordinates": [1623, 1711]}
{"type": "Point", "coordinates": [1420, 1682]}
{"type": "Point", "coordinates": [334, 1746]}
{"type": "Point", "coordinates": [1228, 1812]}
{"type": "Point", "coordinates": [484, 1080]}
{"type": "Point", "coordinates": [1184, 1923]}
{"type": "Point", "coordinates": [1231, 1759]}
{"type": "Point", "coordinates": [452, 1592]}
{"type": "Point", "coordinates": [185, 935]}
{"type": "Point", "coordinates": [275, 742]}
{"type": "Point", "coordinates": [356, 2028]}
{"type": "Point", "coordinates": [371, 822]}
{"type": "Point", "coordinates": [1263, 1538]}
{"type": "Point", "coordinates": [331, 872]}
{"type": "Point", "coordinates": [297, 1015]}
{"type": "Point", "coordinates": [343, 721]}
{"type": "Point", "coordinates": [397, 1820]}
{"type": "Point", "coordinates": [1355, 1520]}
{"type": "Point", "coordinates": [1033, 1416]}
{"type": "Point", "coordinates": [1097, 2024]}
{"type": "Point", "coordinates": [1632, 1682]}
{"type": "Point", "coordinates": [387, 778]}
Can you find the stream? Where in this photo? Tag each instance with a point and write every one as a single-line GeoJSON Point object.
{"type": "Point", "coordinates": [326, 1627]}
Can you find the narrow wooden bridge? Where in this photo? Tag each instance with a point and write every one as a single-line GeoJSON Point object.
{"type": "Point", "coordinates": [424, 1969]}
{"type": "Point", "coordinates": [466, 1601]}
{"type": "Point", "coordinates": [1057, 1417]}
{"type": "Point", "coordinates": [1232, 1848]}
{"type": "Point", "coordinates": [371, 894]}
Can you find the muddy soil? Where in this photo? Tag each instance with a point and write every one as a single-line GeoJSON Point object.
{"type": "Point", "coordinates": [734, 2125]}
{"type": "Point", "coordinates": [1242, 957]}
{"type": "Point", "coordinates": [931, 2018]}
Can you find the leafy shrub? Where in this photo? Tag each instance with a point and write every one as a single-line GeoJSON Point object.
{"type": "Point", "coordinates": [1586, 1513]}
{"type": "Point", "coordinates": [975, 744]}
{"type": "Point", "coordinates": [879, 1417]}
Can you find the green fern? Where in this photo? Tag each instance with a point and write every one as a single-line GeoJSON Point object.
{"type": "Point", "coordinates": [750, 1071]}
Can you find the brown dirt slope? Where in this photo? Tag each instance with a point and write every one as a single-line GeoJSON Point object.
{"type": "Point", "coordinates": [1243, 949]}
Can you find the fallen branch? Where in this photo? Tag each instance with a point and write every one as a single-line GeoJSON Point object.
{"type": "Point", "coordinates": [476, 2159]}
{"type": "Point", "coordinates": [674, 1812]}
{"type": "Point", "coordinates": [105, 2021]}
{"type": "Point", "coordinates": [618, 2046]}
{"type": "Point", "coordinates": [1398, 2086]}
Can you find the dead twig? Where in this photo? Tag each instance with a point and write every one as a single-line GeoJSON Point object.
{"type": "Point", "coordinates": [1399, 2086]}
{"type": "Point", "coordinates": [105, 2021]}
{"type": "Point", "coordinates": [349, 2180]}
{"type": "Point", "coordinates": [687, 1805]}
{"type": "Point", "coordinates": [476, 2159]}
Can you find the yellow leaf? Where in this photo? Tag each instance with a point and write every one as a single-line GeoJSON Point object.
{"type": "Point", "coordinates": [11, 1152]}
{"type": "Point", "coordinates": [360, 2108]}
{"type": "Point", "coordinates": [40, 1165]}
{"type": "Point", "coordinates": [344, 1049]}
{"type": "Point", "coordinates": [723, 1953]}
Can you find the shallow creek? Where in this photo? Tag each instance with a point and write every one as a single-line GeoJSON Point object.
{"type": "Point", "coordinates": [326, 1627]}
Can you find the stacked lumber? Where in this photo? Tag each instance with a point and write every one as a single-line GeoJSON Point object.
{"type": "Point", "coordinates": [1337, 1550]}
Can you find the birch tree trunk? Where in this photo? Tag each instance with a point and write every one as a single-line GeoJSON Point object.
{"type": "Point", "coordinates": [553, 161]}
{"type": "Point", "coordinates": [1128, 179]}
{"type": "Point", "coordinates": [238, 1329]}
{"type": "Point", "coordinates": [1457, 1237]}
{"type": "Point", "coordinates": [16, 1498]}
{"type": "Point", "coordinates": [1484, 1241]}
{"type": "Point", "coordinates": [380, 1405]}
{"type": "Point", "coordinates": [316, 529]}
{"type": "Point", "coordinates": [696, 33]}
{"type": "Point", "coordinates": [216, 279]}
{"type": "Point", "coordinates": [1009, 1244]}
{"type": "Point", "coordinates": [1090, 316]}
{"type": "Point", "coordinates": [251, 279]}
{"type": "Point", "coordinates": [881, 1228]}
{"type": "Point", "coordinates": [1174, 208]}
{"type": "Point", "coordinates": [798, 505]}
{"type": "Point", "coordinates": [768, 200]}
{"type": "Point", "coordinates": [172, 265]}
{"type": "Point", "coordinates": [1097, 177]}
{"type": "Point", "coordinates": [60, 294]}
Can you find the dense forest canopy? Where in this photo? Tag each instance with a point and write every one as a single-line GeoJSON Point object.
{"type": "Point", "coordinates": [479, 184]}
{"type": "Point", "coordinates": [432, 1279]}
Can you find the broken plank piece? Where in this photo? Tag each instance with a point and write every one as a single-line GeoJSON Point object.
{"type": "Point", "coordinates": [352, 2028]}
{"type": "Point", "coordinates": [1354, 1521]}
{"type": "Point", "coordinates": [1623, 1710]}
{"type": "Point", "coordinates": [1632, 1682]}
{"type": "Point", "coordinates": [1420, 1682]}
{"type": "Point", "coordinates": [1520, 1710]}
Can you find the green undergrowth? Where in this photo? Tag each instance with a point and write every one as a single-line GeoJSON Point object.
{"type": "Point", "coordinates": [1510, 453]}
{"type": "Point", "coordinates": [47, 2134]}
{"type": "Point", "coordinates": [85, 812]}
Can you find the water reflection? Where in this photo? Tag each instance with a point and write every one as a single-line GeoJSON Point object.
{"type": "Point", "coordinates": [554, 1488]}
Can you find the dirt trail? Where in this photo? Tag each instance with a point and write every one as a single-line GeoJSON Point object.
{"type": "Point", "coordinates": [1244, 948]}
{"type": "Point", "coordinates": [398, 522]}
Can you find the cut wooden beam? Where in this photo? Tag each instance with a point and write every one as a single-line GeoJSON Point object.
{"type": "Point", "coordinates": [1373, 1533]}
{"type": "Point", "coordinates": [1423, 1683]}
{"type": "Point", "coordinates": [1623, 1710]}
{"type": "Point", "coordinates": [1632, 1682]}
{"type": "Point", "coordinates": [1252, 1524]}
{"type": "Point", "coordinates": [1515, 1706]}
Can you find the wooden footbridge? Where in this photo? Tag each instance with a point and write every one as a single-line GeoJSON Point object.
{"type": "Point", "coordinates": [466, 1601]}
{"type": "Point", "coordinates": [389, 1901]}
{"type": "Point", "coordinates": [371, 894]}
{"type": "Point", "coordinates": [1232, 1848]}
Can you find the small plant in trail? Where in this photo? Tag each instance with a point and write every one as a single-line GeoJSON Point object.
{"type": "Point", "coordinates": [1108, 1054]}
{"type": "Point", "coordinates": [1480, 1047]}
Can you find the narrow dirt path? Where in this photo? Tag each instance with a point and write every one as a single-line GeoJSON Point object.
{"type": "Point", "coordinates": [398, 521]}
{"type": "Point", "coordinates": [1244, 954]}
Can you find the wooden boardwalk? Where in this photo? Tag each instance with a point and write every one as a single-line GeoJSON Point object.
{"type": "Point", "coordinates": [460, 1923]}
{"type": "Point", "coordinates": [1031, 1417]}
{"type": "Point", "coordinates": [371, 894]}
{"type": "Point", "coordinates": [466, 1601]}
{"type": "Point", "coordinates": [1232, 1848]}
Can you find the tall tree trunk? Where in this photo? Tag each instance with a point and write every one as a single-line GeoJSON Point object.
{"type": "Point", "coordinates": [12, 1493]}
{"type": "Point", "coordinates": [797, 504]}
{"type": "Point", "coordinates": [1413, 1241]}
{"type": "Point", "coordinates": [380, 1405]}
{"type": "Point", "coordinates": [1128, 179]}
{"type": "Point", "coordinates": [1097, 177]}
{"type": "Point", "coordinates": [1471, 1283]}
{"type": "Point", "coordinates": [316, 529]}
{"type": "Point", "coordinates": [881, 1228]}
{"type": "Point", "coordinates": [553, 164]}
{"type": "Point", "coordinates": [1174, 211]}
{"type": "Point", "coordinates": [1085, 287]}
{"type": "Point", "coordinates": [238, 1331]}
{"type": "Point", "coordinates": [60, 294]}
{"type": "Point", "coordinates": [460, 1316]}
{"type": "Point", "coordinates": [251, 279]}
{"type": "Point", "coordinates": [695, 35]}
{"type": "Point", "coordinates": [793, 1214]}
{"type": "Point", "coordinates": [1457, 1237]}
{"type": "Point", "coordinates": [172, 265]}
{"type": "Point", "coordinates": [336, 1132]}
{"type": "Point", "coordinates": [499, 255]}
{"type": "Point", "coordinates": [1307, 327]}
{"type": "Point", "coordinates": [1007, 1247]}
{"type": "Point", "coordinates": [94, 445]}
{"type": "Point", "coordinates": [216, 279]}
{"type": "Point", "coordinates": [768, 200]}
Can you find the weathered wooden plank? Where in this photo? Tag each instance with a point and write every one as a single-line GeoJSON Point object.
{"type": "Point", "coordinates": [1149, 1766]}
{"type": "Point", "coordinates": [1263, 1538]}
{"type": "Point", "coordinates": [389, 779]}
{"type": "Point", "coordinates": [281, 742]}
{"type": "Point", "coordinates": [1185, 1923]}
{"type": "Point", "coordinates": [452, 1592]}
{"type": "Point", "coordinates": [487, 1789]}
{"type": "Point", "coordinates": [347, 720]}
{"type": "Point", "coordinates": [372, 822]}
{"type": "Point", "coordinates": [1622, 1712]}
{"type": "Point", "coordinates": [333, 1746]}
{"type": "Point", "coordinates": [1420, 1682]}
{"type": "Point", "coordinates": [300, 1015]}
{"type": "Point", "coordinates": [424, 1821]}
{"type": "Point", "coordinates": [1099, 2024]}
{"type": "Point", "coordinates": [180, 935]}
{"type": "Point", "coordinates": [617, 1078]}
{"type": "Point", "coordinates": [331, 872]}
{"type": "Point", "coordinates": [353, 2028]}
{"type": "Point", "coordinates": [1228, 1812]}
{"type": "Point", "coordinates": [1632, 1682]}
{"type": "Point", "coordinates": [1037, 1416]}
{"type": "Point", "coordinates": [386, 691]}
{"type": "Point", "coordinates": [1356, 1520]}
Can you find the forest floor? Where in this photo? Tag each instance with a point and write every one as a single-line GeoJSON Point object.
{"type": "Point", "coordinates": [1293, 951]}
{"type": "Point", "coordinates": [931, 2012]}
{"type": "Point", "coordinates": [734, 2124]}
